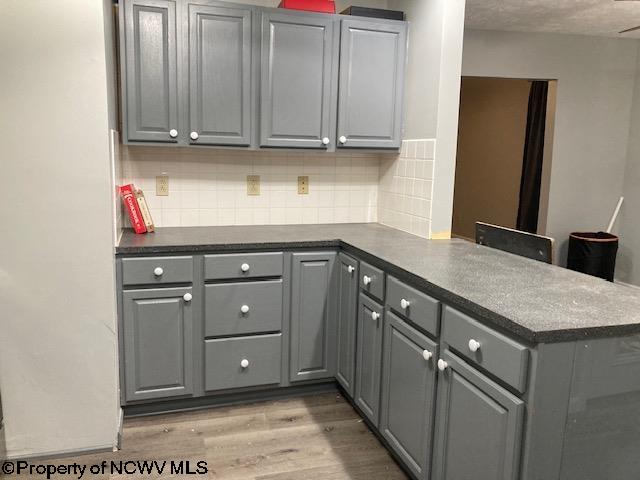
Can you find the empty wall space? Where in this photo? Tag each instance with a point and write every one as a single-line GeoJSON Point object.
{"type": "Point", "coordinates": [493, 119]}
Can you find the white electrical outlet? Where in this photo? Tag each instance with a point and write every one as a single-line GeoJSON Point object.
{"type": "Point", "coordinates": [162, 185]}
{"type": "Point", "coordinates": [253, 184]}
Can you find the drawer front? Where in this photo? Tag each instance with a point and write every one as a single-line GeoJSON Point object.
{"type": "Point", "coordinates": [244, 307]}
{"type": "Point", "coordinates": [242, 362]}
{"type": "Point", "coordinates": [418, 307]}
{"type": "Point", "coordinates": [243, 265]}
{"type": "Point", "coordinates": [496, 353]}
{"type": "Point", "coordinates": [157, 270]}
{"type": "Point", "coordinates": [372, 280]}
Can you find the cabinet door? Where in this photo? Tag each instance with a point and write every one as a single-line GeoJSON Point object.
{"type": "Point", "coordinates": [369, 357]}
{"type": "Point", "coordinates": [408, 393]}
{"type": "Point", "coordinates": [158, 336]}
{"type": "Point", "coordinates": [347, 293]}
{"type": "Point", "coordinates": [151, 75]}
{"type": "Point", "coordinates": [479, 426]}
{"type": "Point", "coordinates": [220, 43]}
{"type": "Point", "coordinates": [372, 64]}
{"type": "Point", "coordinates": [313, 315]}
{"type": "Point", "coordinates": [298, 53]}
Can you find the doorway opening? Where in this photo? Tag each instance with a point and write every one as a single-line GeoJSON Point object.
{"type": "Point", "coordinates": [503, 165]}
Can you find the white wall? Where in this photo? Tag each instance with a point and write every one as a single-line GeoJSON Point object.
{"type": "Point", "coordinates": [595, 82]}
{"type": "Point", "coordinates": [628, 265]}
{"type": "Point", "coordinates": [58, 373]}
{"type": "Point", "coordinates": [432, 96]}
{"type": "Point", "coordinates": [340, 4]}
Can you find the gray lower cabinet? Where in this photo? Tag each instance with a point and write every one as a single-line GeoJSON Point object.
{"type": "Point", "coordinates": [150, 76]}
{"type": "Point", "coordinates": [370, 111]}
{"type": "Point", "coordinates": [479, 425]}
{"type": "Point", "coordinates": [298, 56]}
{"type": "Point", "coordinates": [220, 63]}
{"type": "Point", "coordinates": [408, 393]}
{"type": "Point", "coordinates": [347, 293]}
{"type": "Point", "coordinates": [313, 313]}
{"type": "Point", "coordinates": [369, 357]}
{"type": "Point", "coordinates": [158, 343]}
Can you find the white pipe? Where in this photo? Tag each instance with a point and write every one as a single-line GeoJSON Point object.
{"type": "Point", "coordinates": [615, 215]}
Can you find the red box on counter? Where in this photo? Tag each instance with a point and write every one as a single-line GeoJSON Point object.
{"type": "Point", "coordinates": [324, 6]}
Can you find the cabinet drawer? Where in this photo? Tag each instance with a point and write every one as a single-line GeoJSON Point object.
{"type": "Point", "coordinates": [243, 265]}
{"type": "Point", "coordinates": [225, 312]}
{"type": "Point", "coordinates": [224, 359]}
{"type": "Point", "coordinates": [157, 270]}
{"type": "Point", "coordinates": [496, 353]}
{"type": "Point", "coordinates": [372, 280]}
{"type": "Point", "coordinates": [418, 307]}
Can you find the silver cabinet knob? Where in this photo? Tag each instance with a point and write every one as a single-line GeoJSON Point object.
{"type": "Point", "coordinates": [158, 271]}
{"type": "Point", "coordinates": [474, 345]}
{"type": "Point", "coordinates": [426, 354]}
{"type": "Point", "coordinates": [173, 133]}
{"type": "Point", "coordinates": [244, 308]}
{"type": "Point", "coordinates": [442, 365]}
{"type": "Point", "coordinates": [404, 303]}
{"type": "Point", "coordinates": [187, 297]}
{"type": "Point", "coordinates": [326, 141]}
{"type": "Point", "coordinates": [343, 139]}
{"type": "Point", "coordinates": [375, 315]}
{"type": "Point", "coordinates": [351, 269]}
{"type": "Point", "coordinates": [366, 280]}
{"type": "Point", "coordinates": [244, 267]}
{"type": "Point", "coordinates": [194, 135]}
{"type": "Point", "coordinates": [244, 363]}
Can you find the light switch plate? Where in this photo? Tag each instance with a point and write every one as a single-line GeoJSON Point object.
{"type": "Point", "coordinates": [303, 185]}
{"type": "Point", "coordinates": [162, 185]}
{"type": "Point", "coordinates": [253, 184]}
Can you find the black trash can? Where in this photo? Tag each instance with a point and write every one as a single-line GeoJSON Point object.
{"type": "Point", "coordinates": [593, 253]}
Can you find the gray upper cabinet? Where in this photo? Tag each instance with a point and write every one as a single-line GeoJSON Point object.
{"type": "Point", "coordinates": [347, 293]}
{"type": "Point", "coordinates": [298, 64]}
{"type": "Point", "coordinates": [150, 77]}
{"type": "Point", "coordinates": [372, 66]}
{"type": "Point", "coordinates": [479, 430]}
{"type": "Point", "coordinates": [313, 313]}
{"type": "Point", "coordinates": [408, 393]}
{"type": "Point", "coordinates": [220, 63]}
{"type": "Point", "coordinates": [369, 357]}
{"type": "Point", "coordinates": [158, 343]}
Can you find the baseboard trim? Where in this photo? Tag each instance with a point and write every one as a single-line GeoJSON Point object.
{"type": "Point", "coordinates": [52, 455]}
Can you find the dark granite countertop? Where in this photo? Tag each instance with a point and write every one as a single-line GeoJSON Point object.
{"type": "Point", "coordinates": [533, 300]}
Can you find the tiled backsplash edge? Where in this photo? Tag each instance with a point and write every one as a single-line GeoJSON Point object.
{"type": "Point", "coordinates": [406, 187]}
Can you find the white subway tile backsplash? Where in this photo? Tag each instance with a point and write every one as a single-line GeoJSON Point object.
{"type": "Point", "coordinates": [406, 188]}
{"type": "Point", "coordinates": [208, 187]}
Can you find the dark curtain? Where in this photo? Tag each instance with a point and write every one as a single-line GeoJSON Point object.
{"type": "Point", "coordinates": [533, 156]}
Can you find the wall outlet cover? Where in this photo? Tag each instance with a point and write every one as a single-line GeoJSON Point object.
{"type": "Point", "coordinates": [303, 185]}
{"type": "Point", "coordinates": [162, 185]}
{"type": "Point", "coordinates": [253, 184]}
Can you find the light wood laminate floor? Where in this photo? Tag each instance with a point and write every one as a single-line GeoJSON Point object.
{"type": "Point", "coordinates": [319, 437]}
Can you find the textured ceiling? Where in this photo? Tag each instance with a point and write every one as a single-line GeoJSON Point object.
{"type": "Point", "coordinates": [585, 17]}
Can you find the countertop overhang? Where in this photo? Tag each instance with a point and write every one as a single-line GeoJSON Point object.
{"type": "Point", "coordinates": [537, 302]}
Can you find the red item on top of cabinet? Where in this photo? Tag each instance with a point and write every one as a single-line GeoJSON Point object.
{"type": "Point", "coordinates": [128, 194]}
{"type": "Point", "coordinates": [324, 6]}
